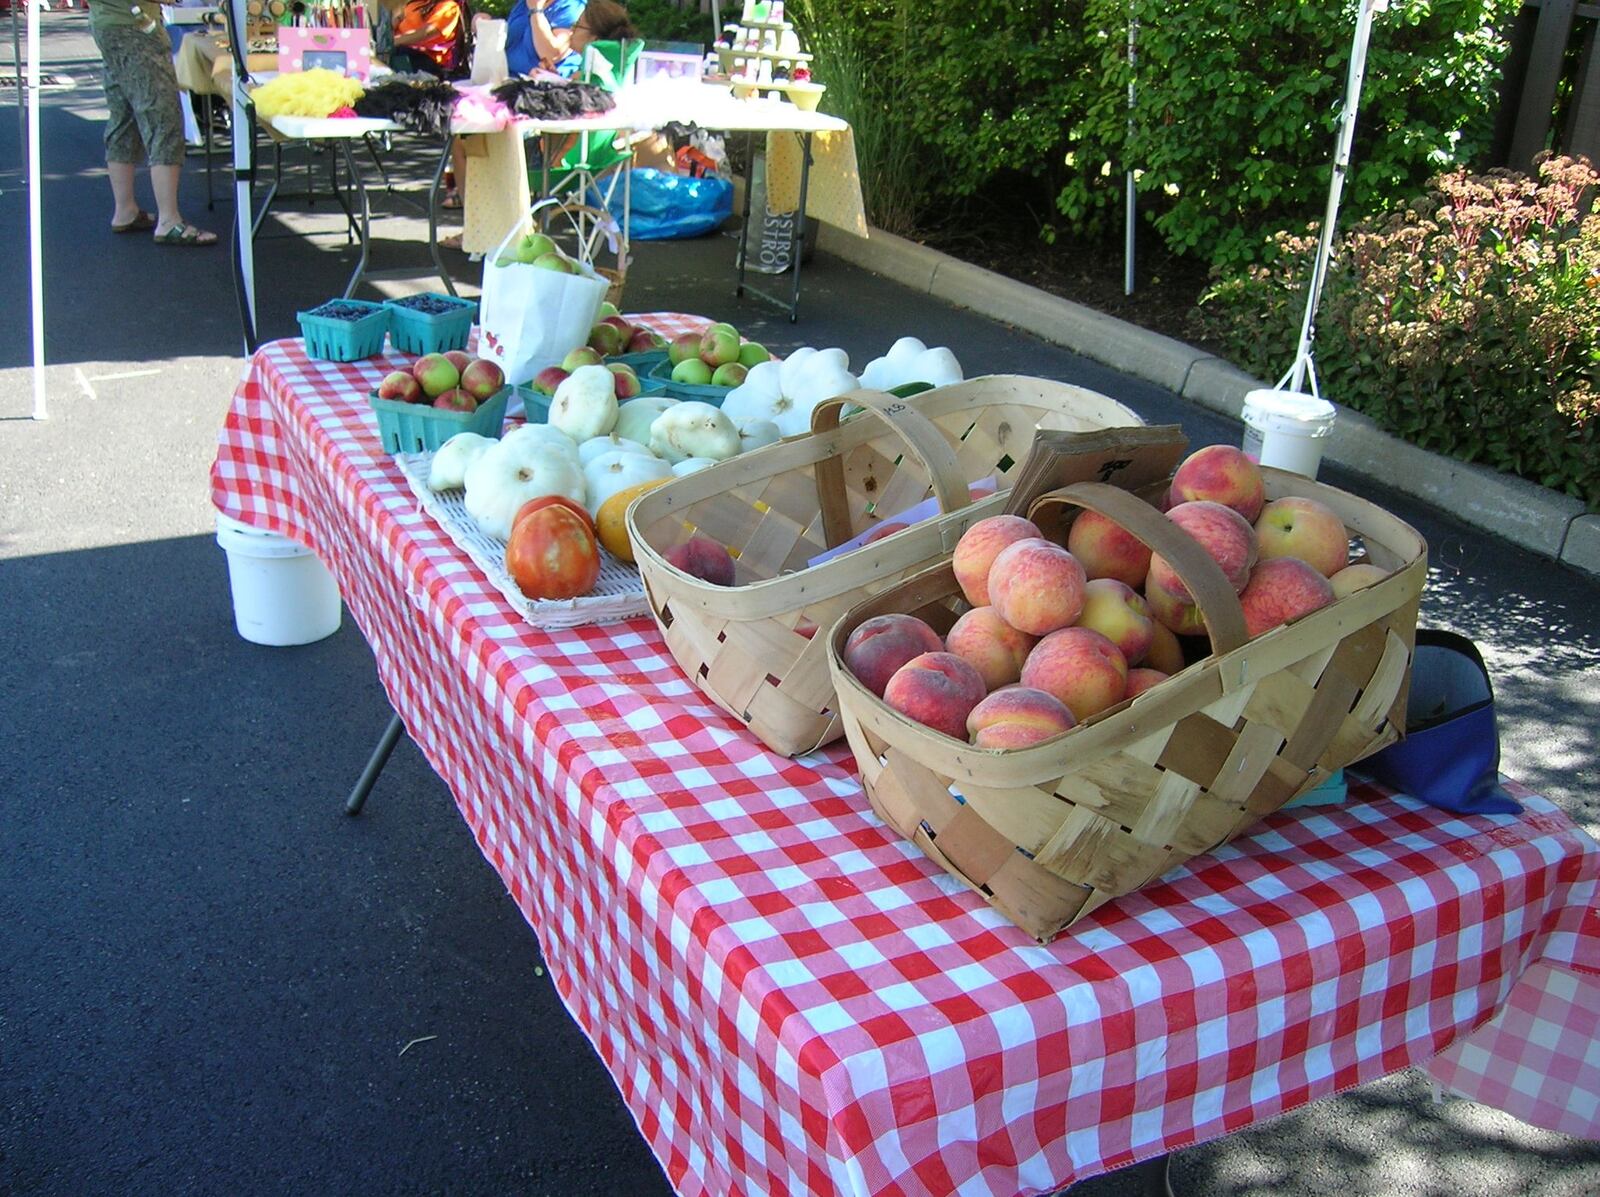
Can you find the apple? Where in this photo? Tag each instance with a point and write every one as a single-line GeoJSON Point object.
{"type": "Point", "coordinates": [753, 354]}
{"type": "Point", "coordinates": [719, 346]}
{"type": "Point", "coordinates": [605, 339]}
{"type": "Point", "coordinates": [401, 387]}
{"type": "Point", "coordinates": [581, 356]}
{"type": "Point", "coordinates": [547, 380]}
{"type": "Point", "coordinates": [879, 646]}
{"type": "Point", "coordinates": [436, 373]}
{"type": "Point", "coordinates": [684, 348]}
{"type": "Point", "coordinates": [644, 341]}
{"type": "Point", "coordinates": [456, 400]}
{"type": "Point", "coordinates": [607, 308]}
{"type": "Point", "coordinates": [1221, 474]}
{"type": "Point", "coordinates": [1304, 528]}
{"type": "Point", "coordinates": [620, 323]}
{"type": "Point", "coordinates": [459, 358]}
{"type": "Point", "coordinates": [557, 262]}
{"type": "Point", "coordinates": [1115, 610]}
{"type": "Point", "coordinates": [730, 374]}
{"type": "Point", "coordinates": [531, 247]}
{"type": "Point", "coordinates": [693, 372]}
{"type": "Point", "coordinates": [482, 379]}
{"type": "Point", "coordinates": [626, 382]}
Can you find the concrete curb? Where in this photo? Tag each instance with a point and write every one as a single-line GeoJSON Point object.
{"type": "Point", "coordinates": [1542, 521]}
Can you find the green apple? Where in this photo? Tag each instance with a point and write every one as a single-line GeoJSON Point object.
{"type": "Point", "coordinates": [692, 371]}
{"type": "Point", "coordinates": [719, 346]}
{"type": "Point", "coordinates": [753, 353]}
{"type": "Point", "coordinates": [532, 247]}
{"type": "Point", "coordinates": [730, 374]}
{"type": "Point", "coordinates": [608, 309]}
{"type": "Point", "coordinates": [557, 262]}
{"type": "Point", "coordinates": [722, 326]}
{"type": "Point", "coordinates": [683, 348]}
{"type": "Point", "coordinates": [581, 356]}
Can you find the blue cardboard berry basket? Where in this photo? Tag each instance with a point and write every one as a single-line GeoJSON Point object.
{"type": "Point", "coordinates": [414, 427]}
{"type": "Point", "coordinates": [329, 339]}
{"type": "Point", "coordinates": [411, 331]}
{"type": "Point", "coordinates": [660, 378]}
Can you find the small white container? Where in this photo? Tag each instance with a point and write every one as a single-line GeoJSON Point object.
{"type": "Point", "coordinates": [1284, 429]}
{"type": "Point", "coordinates": [282, 595]}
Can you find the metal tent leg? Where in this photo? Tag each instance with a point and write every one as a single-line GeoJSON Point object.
{"type": "Point", "coordinates": [375, 764]}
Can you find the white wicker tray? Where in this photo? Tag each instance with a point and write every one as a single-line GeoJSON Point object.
{"type": "Point", "coordinates": [617, 596]}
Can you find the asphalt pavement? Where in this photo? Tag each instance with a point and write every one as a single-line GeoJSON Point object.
{"type": "Point", "coordinates": [212, 981]}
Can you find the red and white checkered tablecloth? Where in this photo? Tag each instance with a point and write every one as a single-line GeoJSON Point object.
{"type": "Point", "coordinates": [793, 1001]}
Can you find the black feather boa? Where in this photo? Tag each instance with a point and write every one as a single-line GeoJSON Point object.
{"type": "Point", "coordinates": [543, 99]}
{"type": "Point", "coordinates": [423, 105]}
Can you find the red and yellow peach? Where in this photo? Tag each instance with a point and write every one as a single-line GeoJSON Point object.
{"type": "Point", "coordinates": [1118, 613]}
{"type": "Point", "coordinates": [1221, 474]}
{"type": "Point", "coordinates": [1222, 532]}
{"type": "Point", "coordinates": [879, 646]}
{"type": "Point", "coordinates": [1106, 549]}
{"type": "Point", "coordinates": [1280, 590]}
{"type": "Point", "coordinates": [1299, 527]}
{"type": "Point", "coordinates": [938, 690]}
{"type": "Point", "coordinates": [990, 645]}
{"type": "Point", "coordinates": [1080, 667]}
{"type": "Point", "coordinates": [1016, 716]}
{"type": "Point", "coordinates": [978, 547]}
{"type": "Point", "coordinates": [1036, 586]}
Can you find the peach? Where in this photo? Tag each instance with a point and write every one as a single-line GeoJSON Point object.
{"type": "Point", "coordinates": [1116, 611]}
{"type": "Point", "coordinates": [979, 546]}
{"type": "Point", "coordinates": [1220, 531]}
{"type": "Point", "coordinates": [938, 690]}
{"type": "Point", "coordinates": [1177, 615]}
{"type": "Point", "coordinates": [1282, 589]}
{"type": "Point", "coordinates": [1140, 680]}
{"type": "Point", "coordinates": [1016, 716]}
{"type": "Point", "coordinates": [1356, 577]}
{"type": "Point", "coordinates": [1081, 668]}
{"type": "Point", "coordinates": [1221, 474]}
{"type": "Point", "coordinates": [703, 558]}
{"type": "Point", "coordinates": [880, 645]}
{"type": "Point", "coordinates": [1037, 586]}
{"type": "Point", "coordinates": [990, 645]}
{"type": "Point", "coordinates": [1165, 654]}
{"type": "Point", "coordinates": [1304, 528]}
{"type": "Point", "coordinates": [1107, 550]}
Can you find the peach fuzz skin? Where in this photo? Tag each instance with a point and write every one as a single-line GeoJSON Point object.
{"type": "Point", "coordinates": [881, 645]}
{"type": "Point", "coordinates": [1282, 589]}
{"type": "Point", "coordinates": [1016, 716]}
{"type": "Point", "coordinates": [990, 645]}
{"type": "Point", "coordinates": [1225, 536]}
{"type": "Point", "coordinates": [938, 690]}
{"type": "Point", "coordinates": [1106, 550]}
{"type": "Point", "coordinates": [978, 547]}
{"type": "Point", "coordinates": [1221, 474]}
{"type": "Point", "coordinates": [1037, 587]}
{"type": "Point", "coordinates": [1081, 668]}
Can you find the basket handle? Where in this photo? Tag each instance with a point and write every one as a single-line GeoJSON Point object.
{"type": "Point", "coordinates": [1212, 591]}
{"type": "Point", "coordinates": [920, 434]}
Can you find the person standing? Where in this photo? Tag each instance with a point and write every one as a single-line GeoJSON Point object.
{"type": "Point", "coordinates": [144, 121]}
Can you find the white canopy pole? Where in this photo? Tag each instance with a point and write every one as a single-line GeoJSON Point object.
{"type": "Point", "coordinates": [1302, 369]}
{"type": "Point", "coordinates": [1130, 221]}
{"type": "Point", "coordinates": [35, 211]}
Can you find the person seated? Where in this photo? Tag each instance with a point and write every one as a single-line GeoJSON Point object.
{"type": "Point", "coordinates": [551, 34]}
{"type": "Point", "coordinates": [427, 36]}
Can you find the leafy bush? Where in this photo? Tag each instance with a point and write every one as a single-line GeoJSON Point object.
{"type": "Point", "coordinates": [1237, 104]}
{"type": "Point", "coordinates": [1468, 324]}
{"type": "Point", "coordinates": [663, 21]}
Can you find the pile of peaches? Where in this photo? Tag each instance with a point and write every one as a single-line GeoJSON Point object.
{"type": "Point", "coordinates": [1055, 635]}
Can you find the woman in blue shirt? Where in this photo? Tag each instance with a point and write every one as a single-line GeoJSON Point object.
{"type": "Point", "coordinates": [539, 33]}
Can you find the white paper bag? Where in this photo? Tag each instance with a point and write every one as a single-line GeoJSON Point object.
{"type": "Point", "coordinates": [529, 318]}
{"type": "Point", "coordinates": [489, 67]}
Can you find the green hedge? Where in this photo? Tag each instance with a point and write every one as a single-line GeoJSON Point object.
{"type": "Point", "coordinates": [1468, 323]}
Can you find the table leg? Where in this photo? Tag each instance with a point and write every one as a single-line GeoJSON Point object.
{"type": "Point", "coordinates": [272, 191]}
{"type": "Point", "coordinates": [338, 192]}
{"type": "Point", "coordinates": [744, 224]}
{"type": "Point", "coordinates": [433, 213]}
{"type": "Point", "coordinates": [210, 109]}
{"type": "Point", "coordinates": [374, 766]}
{"type": "Point", "coordinates": [366, 217]}
{"type": "Point", "coordinates": [800, 225]}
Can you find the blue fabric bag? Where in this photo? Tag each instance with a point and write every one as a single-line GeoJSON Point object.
{"type": "Point", "coordinates": [1450, 757]}
{"type": "Point", "coordinates": [667, 206]}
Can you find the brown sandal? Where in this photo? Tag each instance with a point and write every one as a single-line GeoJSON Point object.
{"type": "Point", "coordinates": [138, 224]}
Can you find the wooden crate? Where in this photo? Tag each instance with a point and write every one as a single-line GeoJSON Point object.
{"type": "Point", "coordinates": [1050, 832]}
{"type": "Point", "coordinates": [759, 647]}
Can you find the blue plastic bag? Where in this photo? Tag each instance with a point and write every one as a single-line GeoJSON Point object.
{"type": "Point", "coordinates": [668, 206]}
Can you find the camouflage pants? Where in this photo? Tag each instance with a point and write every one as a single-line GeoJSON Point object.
{"type": "Point", "coordinates": [142, 94]}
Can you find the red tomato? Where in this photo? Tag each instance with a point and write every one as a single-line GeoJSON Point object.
{"type": "Point", "coordinates": [533, 505]}
{"type": "Point", "coordinates": [552, 553]}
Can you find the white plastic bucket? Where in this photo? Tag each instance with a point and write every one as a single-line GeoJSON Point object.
{"type": "Point", "coordinates": [1284, 429]}
{"type": "Point", "coordinates": [282, 594]}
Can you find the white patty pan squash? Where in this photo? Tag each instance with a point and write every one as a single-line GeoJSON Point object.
{"type": "Point", "coordinates": [909, 360]}
{"type": "Point", "coordinates": [617, 471]}
{"type": "Point", "coordinates": [541, 434]}
{"type": "Point", "coordinates": [585, 404]}
{"type": "Point", "coordinates": [597, 445]}
{"type": "Point", "coordinates": [785, 392]}
{"type": "Point", "coordinates": [508, 474]}
{"type": "Point", "coordinates": [636, 415]}
{"type": "Point", "coordinates": [693, 429]}
{"type": "Point", "coordinates": [448, 469]}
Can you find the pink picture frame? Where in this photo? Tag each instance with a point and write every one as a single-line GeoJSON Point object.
{"type": "Point", "coordinates": [348, 51]}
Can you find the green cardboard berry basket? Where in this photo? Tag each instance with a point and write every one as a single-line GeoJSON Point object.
{"type": "Point", "coordinates": [661, 377]}
{"type": "Point", "coordinates": [332, 340]}
{"type": "Point", "coordinates": [411, 331]}
{"type": "Point", "coordinates": [414, 427]}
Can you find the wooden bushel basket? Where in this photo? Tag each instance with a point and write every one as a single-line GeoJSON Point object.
{"type": "Point", "coordinates": [759, 648]}
{"type": "Point", "coordinates": [1050, 832]}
